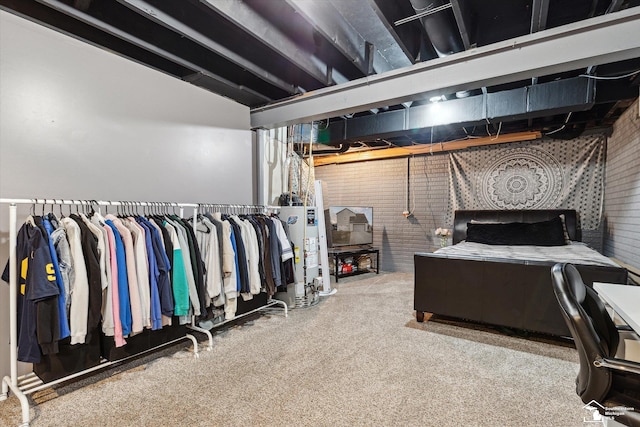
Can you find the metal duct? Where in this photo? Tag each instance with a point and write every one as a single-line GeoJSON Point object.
{"type": "Point", "coordinates": [543, 99]}
{"type": "Point", "coordinates": [441, 27]}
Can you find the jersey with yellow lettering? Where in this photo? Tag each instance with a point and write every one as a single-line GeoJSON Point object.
{"type": "Point", "coordinates": [38, 320]}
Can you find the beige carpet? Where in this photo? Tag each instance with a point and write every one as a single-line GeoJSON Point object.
{"type": "Point", "coordinates": [356, 358]}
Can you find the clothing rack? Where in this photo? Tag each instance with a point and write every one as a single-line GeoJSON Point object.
{"type": "Point", "coordinates": [30, 383]}
{"type": "Point", "coordinates": [234, 209]}
{"type": "Point", "coordinates": [231, 208]}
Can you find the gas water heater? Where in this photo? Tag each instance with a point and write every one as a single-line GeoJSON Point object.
{"type": "Point", "coordinates": [302, 222]}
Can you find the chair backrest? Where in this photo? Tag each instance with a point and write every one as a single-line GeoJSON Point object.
{"type": "Point", "coordinates": [591, 327]}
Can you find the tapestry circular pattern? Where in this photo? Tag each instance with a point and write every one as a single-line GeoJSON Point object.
{"type": "Point", "coordinates": [524, 178]}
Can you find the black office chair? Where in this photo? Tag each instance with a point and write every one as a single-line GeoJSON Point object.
{"type": "Point", "coordinates": [603, 378]}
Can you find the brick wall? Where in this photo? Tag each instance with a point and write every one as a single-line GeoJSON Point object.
{"type": "Point", "coordinates": [622, 190]}
{"type": "Point", "coordinates": [382, 184]}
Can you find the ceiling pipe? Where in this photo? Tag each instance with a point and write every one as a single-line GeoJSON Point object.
{"type": "Point", "coordinates": [341, 149]}
{"type": "Point", "coordinates": [440, 27]}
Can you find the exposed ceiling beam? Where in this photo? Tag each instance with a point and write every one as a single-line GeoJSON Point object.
{"type": "Point", "coordinates": [460, 15]}
{"type": "Point", "coordinates": [593, 41]}
{"type": "Point", "coordinates": [422, 149]}
{"type": "Point", "coordinates": [222, 86]}
{"type": "Point", "coordinates": [393, 30]}
{"type": "Point", "coordinates": [168, 21]}
{"type": "Point", "coordinates": [362, 17]}
{"type": "Point", "coordinates": [539, 13]}
{"type": "Point", "coordinates": [335, 29]}
{"type": "Point", "coordinates": [263, 31]}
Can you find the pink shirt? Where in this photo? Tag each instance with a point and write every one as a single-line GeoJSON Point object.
{"type": "Point", "coordinates": [115, 299]}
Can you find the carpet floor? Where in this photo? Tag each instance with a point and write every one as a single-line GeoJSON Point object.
{"type": "Point", "coordinates": [356, 358]}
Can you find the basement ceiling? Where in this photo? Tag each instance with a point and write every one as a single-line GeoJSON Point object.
{"type": "Point", "coordinates": [261, 52]}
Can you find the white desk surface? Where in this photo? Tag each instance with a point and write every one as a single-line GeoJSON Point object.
{"type": "Point", "coordinates": [624, 299]}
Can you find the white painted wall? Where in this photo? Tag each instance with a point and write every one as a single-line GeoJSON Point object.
{"type": "Point", "coordinates": [79, 122]}
{"type": "Point", "coordinates": [275, 166]}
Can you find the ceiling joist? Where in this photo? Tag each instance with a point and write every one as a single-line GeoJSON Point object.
{"type": "Point", "coordinates": [264, 32]}
{"type": "Point", "coordinates": [222, 85]}
{"type": "Point", "coordinates": [590, 42]}
{"type": "Point", "coordinates": [168, 21]}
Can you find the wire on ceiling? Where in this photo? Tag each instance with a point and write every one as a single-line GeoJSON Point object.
{"type": "Point", "coordinates": [561, 127]}
{"type": "Point", "coordinates": [610, 77]}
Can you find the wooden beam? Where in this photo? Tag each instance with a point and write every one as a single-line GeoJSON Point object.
{"type": "Point", "coordinates": [423, 149]}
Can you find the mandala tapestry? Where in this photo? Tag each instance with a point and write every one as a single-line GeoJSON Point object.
{"type": "Point", "coordinates": [542, 174]}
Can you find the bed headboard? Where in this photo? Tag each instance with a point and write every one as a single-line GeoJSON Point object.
{"type": "Point", "coordinates": [462, 217]}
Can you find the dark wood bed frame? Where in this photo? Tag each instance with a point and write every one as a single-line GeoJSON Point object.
{"type": "Point", "coordinates": [510, 293]}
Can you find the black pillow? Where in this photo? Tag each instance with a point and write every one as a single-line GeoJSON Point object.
{"type": "Point", "coordinates": [543, 233]}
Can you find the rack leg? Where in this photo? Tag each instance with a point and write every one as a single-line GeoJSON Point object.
{"type": "Point", "coordinates": [24, 403]}
{"type": "Point", "coordinates": [284, 305]}
{"type": "Point", "coordinates": [195, 345]}
{"type": "Point", "coordinates": [203, 331]}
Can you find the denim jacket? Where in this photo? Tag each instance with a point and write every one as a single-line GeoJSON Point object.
{"type": "Point", "coordinates": [60, 242]}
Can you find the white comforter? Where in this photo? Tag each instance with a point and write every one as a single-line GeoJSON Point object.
{"type": "Point", "coordinates": [575, 253]}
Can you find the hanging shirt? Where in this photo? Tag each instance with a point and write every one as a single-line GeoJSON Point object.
{"type": "Point", "coordinates": [236, 274]}
{"type": "Point", "coordinates": [228, 255]}
{"type": "Point", "coordinates": [164, 285]}
{"type": "Point", "coordinates": [253, 252]}
{"type": "Point", "coordinates": [232, 285]}
{"type": "Point", "coordinates": [123, 282]}
{"type": "Point", "coordinates": [287, 252]}
{"type": "Point", "coordinates": [115, 294]}
{"type": "Point", "coordinates": [132, 277]}
{"type": "Point", "coordinates": [65, 265]}
{"type": "Point", "coordinates": [79, 309]}
{"type": "Point", "coordinates": [108, 321]}
{"type": "Point", "coordinates": [186, 259]}
{"type": "Point", "coordinates": [101, 247]}
{"type": "Point", "coordinates": [142, 269]}
{"type": "Point", "coordinates": [241, 257]}
{"type": "Point", "coordinates": [92, 263]}
{"type": "Point", "coordinates": [276, 252]}
{"type": "Point", "coordinates": [218, 229]}
{"type": "Point", "coordinates": [196, 263]}
{"type": "Point", "coordinates": [257, 228]}
{"type": "Point", "coordinates": [62, 297]}
{"type": "Point", "coordinates": [154, 274]}
{"type": "Point", "coordinates": [179, 281]}
{"type": "Point", "coordinates": [38, 322]}
{"type": "Point", "coordinates": [266, 259]}
{"type": "Point", "coordinates": [208, 240]}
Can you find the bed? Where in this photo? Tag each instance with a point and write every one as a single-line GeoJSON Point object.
{"type": "Point", "coordinates": [504, 284]}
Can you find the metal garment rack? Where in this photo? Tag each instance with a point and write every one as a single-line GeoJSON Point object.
{"type": "Point", "coordinates": [232, 209]}
{"type": "Point", "coordinates": [30, 383]}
